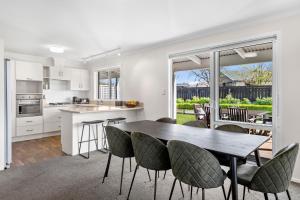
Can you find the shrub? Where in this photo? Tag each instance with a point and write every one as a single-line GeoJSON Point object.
{"type": "Point", "coordinates": [229, 100]}
{"type": "Point", "coordinates": [263, 101]}
{"type": "Point", "coordinates": [189, 106]}
{"type": "Point", "coordinates": [186, 106]}
{"type": "Point", "coordinates": [179, 100]}
{"type": "Point", "coordinates": [245, 101]}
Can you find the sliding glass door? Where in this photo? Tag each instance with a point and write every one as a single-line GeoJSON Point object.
{"type": "Point", "coordinates": [228, 84]}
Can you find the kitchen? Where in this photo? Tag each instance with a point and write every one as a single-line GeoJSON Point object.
{"type": "Point", "coordinates": [39, 90]}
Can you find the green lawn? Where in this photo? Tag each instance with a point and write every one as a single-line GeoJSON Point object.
{"type": "Point", "coordinates": [182, 118]}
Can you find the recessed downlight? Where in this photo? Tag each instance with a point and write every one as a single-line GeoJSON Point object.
{"type": "Point", "coordinates": [56, 49]}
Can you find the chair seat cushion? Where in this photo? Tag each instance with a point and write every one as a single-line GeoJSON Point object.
{"type": "Point", "coordinates": [93, 122]}
{"type": "Point", "coordinates": [116, 119]}
{"type": "Point", "coordinates": [245, 173]}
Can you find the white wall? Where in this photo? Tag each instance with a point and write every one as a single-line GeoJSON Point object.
{"type": "Point", "coordinates": [2, 105]}
{"type": "Point", "coordinates": [144, 73]}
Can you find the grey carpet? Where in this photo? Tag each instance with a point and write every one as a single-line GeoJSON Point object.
{"type": "Point", "coordinates": [74, 178]}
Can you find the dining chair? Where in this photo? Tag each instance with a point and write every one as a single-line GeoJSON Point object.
{"type": "Point", "coordinates": [151, 154]}
{"type": "Point", "coordinates": [197, 123]}
{"type": "Point", "coordinates": [272, 177]}
{"type": "Point", "coordinates": [225, 159]}
{"type": "Point", "coordinates": [120, 145]}
{"type": "Point", "coordinates": [167, 120]}
{"type": "Point", "coordinates": [195, 166]}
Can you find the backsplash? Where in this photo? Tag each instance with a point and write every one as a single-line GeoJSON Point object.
{"type": "Point", "coordinates": [52, 96]}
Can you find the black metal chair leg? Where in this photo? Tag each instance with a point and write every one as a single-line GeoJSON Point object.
{"type": "Point", "coordinates": [191, 195]}
{"type": "Point", "coordinates": [130, 164]}
{"type": "Point", "coordinates": [197, 191]}
{"type": "Point", "coordinates": [172, 190]}
{"type": "Point", "coordinates": [288, 194]}
{"type": "Point", "coordinates": [224, 193]}
{"type": "Point", "coordinates": [155, 184]}
{"type": "Point", "coordinates": [132, 181]}
{"type": "Point", "coordinates": [149, 175]}
{"type": "Point", "coordinates": [181, 189]}
{"type": "Point", "coordinates": [79, 148]}
{"type": "Point", "coordinates": [165, 174]}
{"type": "Point", "coordinates": [276, 196]}
{"type": "Point", "coordinates": [229, 192]}
{"type": "Point", "coordinates": [89, 142]}
{"type": "Point", "coordinates": [122, 176]}
{"type": "Point", "coordinates": [266, 196]}
{"type": "Point", "coordinates": [107, 167]}
{"type": "Point", "coordinates": [203, 194]}
{"type": "Point", "coordinates": [244, 192]}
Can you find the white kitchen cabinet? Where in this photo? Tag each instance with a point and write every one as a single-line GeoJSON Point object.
{"type": "Point", "coordinates": [29, 71]}
{"type": "Point", "coordinates": [80, 79]}
{"type": "Point", "coordinates": [52, 119]}
{"type": "Point", "coordinates": [29, 130]}
{"type": "Point", "coordinates": [29, 125]}
{"type": "Point", "coordinates": [28, 121]}
{"type": "Point", "coordinates": [59, 73]}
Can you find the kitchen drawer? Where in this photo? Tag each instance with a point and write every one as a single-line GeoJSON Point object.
{"type": "Point", "coordinates": [52, 117]}
{"type": "Point", "coordinates": [51, 126]}
{"type": "Point", "coordinates": [29, 130]}
{"type": "Point", "coordinates": [29, 121]}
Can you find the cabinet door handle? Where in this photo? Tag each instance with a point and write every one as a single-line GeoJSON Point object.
{"type": "Point", "coordinates": [28, 121]}
{"type": "Point", "coordinates": [29, 78]}
{"type": "Point", "coordinates": [28, 130]}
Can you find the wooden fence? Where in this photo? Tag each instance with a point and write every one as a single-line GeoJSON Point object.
{"type": "Point", "coordinates": [239, 92]}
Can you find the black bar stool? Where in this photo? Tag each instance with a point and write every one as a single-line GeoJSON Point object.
{"type": "Point", "coordinates": [89, 123]}
{"type": "Point", "coordinates": [110, 121]}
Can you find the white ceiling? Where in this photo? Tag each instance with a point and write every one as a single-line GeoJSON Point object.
{"type": "Point", "coordinates": [87, 27]}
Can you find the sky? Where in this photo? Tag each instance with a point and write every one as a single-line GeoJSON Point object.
{"type": "Point", "coordinates": [189, 77]}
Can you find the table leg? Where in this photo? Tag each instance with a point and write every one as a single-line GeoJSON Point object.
{"type": "Point", "coordinates": [257, 157]}
{"type": "Point", "coordinates": [234, 182]}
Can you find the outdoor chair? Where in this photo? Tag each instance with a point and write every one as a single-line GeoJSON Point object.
{"type": "Point", "coordinates": [272, 177]}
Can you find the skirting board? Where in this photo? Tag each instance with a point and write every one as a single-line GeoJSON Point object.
{"type": "Point", "coordinates": [295, 180]}
{"type": "Point", "coordinates": [35, 136]}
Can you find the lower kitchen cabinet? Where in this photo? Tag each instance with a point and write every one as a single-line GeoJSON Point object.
{"type": "Point", "coordinates": [51, 126]}
{"type": "Point", "coordinates": [29, 125]}
{"type": "Point", "coordinates": [52, 118]}
{"type": "Point", "coordinates": [29, 130]}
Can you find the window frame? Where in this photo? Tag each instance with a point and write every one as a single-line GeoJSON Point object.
{"type": "Point", "coordinates": [109, 70]}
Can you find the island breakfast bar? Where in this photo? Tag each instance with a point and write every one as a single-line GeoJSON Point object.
{"type": "Point", "coordinates": [71, 124]}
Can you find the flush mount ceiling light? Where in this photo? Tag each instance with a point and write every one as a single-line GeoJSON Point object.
{"type": "Point", "coordinates": [56, 49]}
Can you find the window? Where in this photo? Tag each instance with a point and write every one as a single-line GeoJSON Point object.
{"type": "Point", "coordinates": [108, 84]}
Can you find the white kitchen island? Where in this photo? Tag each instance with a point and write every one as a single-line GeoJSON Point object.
{"type": "Point", "coordinates": [71, 126]}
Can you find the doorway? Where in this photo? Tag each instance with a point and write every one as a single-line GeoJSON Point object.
{"type": "Point", "coordinates": [228, 84]}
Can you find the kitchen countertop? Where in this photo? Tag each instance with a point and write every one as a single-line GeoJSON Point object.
{"type": "Point", "coordinates": [97, 108]}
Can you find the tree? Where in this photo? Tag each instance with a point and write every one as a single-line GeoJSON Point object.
{"type": "Point", "coordinates": [201, 76]}
{"type": "Point", "coordinates": [260, 75]}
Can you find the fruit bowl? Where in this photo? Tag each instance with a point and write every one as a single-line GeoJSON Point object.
{"type": "Point", "coordinates": [131, 103]}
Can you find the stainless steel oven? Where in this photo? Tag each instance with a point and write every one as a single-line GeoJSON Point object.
{"type": "Point", "coordinates": [29, 105]}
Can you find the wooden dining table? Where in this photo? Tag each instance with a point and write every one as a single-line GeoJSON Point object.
{"type": "Point", "coordinates": [228, 143]}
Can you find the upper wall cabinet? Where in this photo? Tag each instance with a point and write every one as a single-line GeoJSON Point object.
{"type": "Point", "coordinates": [59, 73]}
{"type": "Point", "coordinates": [29, 71]}
{"type": "Point", "coordinates": [80, 79]}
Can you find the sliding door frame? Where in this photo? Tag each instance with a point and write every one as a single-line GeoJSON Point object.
{"type": "Point", "coordinates": [214, 76]}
